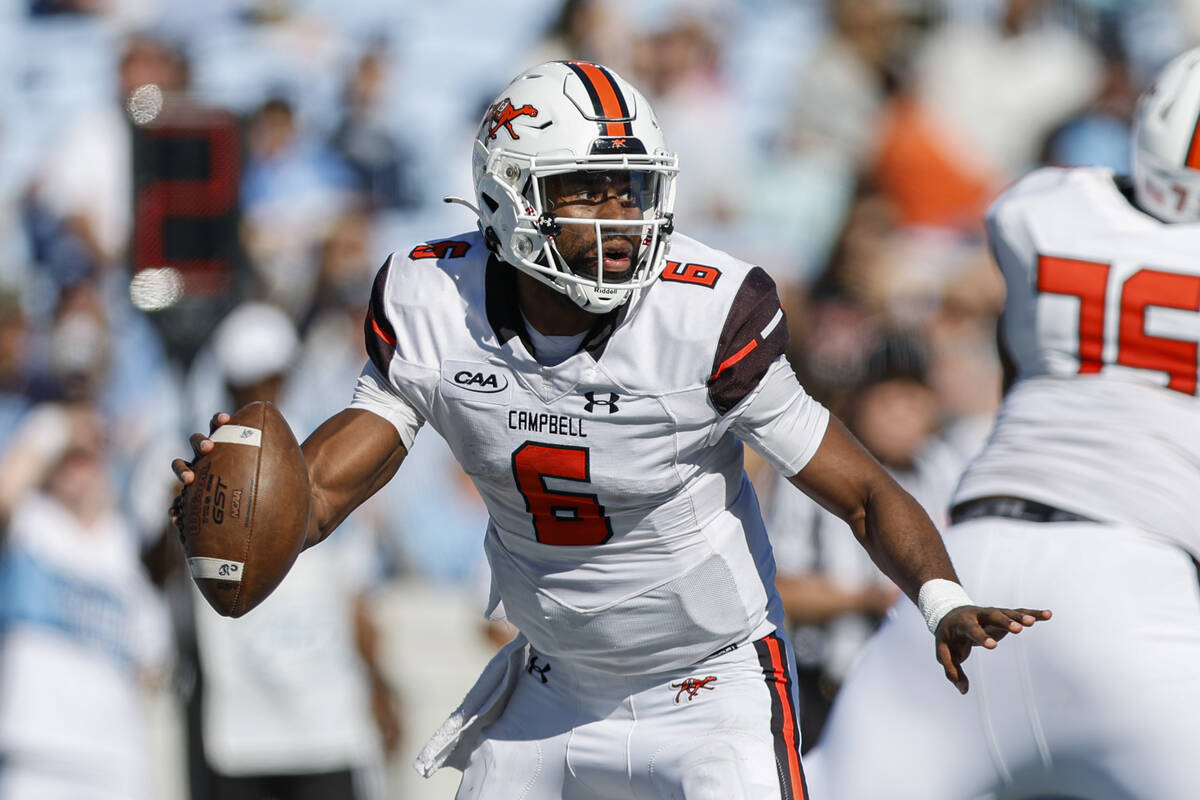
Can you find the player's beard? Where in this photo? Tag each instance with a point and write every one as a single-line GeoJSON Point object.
{"type": "Point", "coordinates": [624, 245]}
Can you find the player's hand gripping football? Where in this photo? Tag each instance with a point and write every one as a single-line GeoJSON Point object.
{"type": "Point", "coordinates": [201, 445]}
{"type": "Point", "coordinates": [967, 627]}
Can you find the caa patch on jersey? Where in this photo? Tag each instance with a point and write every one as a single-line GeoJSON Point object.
{"type": "Point", "coordinates": [471, 380]}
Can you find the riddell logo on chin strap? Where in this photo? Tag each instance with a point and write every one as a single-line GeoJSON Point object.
{"type": "Point", "coordinates": [502, 115]}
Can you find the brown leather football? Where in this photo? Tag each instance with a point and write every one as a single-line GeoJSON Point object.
{"type": "Point", "coordinates": [245, 517]}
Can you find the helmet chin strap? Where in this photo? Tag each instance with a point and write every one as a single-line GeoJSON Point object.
{"type": "Point", "coordinates": [585, 297]}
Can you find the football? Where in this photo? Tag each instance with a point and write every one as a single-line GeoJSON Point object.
{"type": "Point", "coordinates": [245, 516]}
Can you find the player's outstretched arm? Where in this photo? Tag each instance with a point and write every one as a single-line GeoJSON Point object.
{"type": "Point", "coordinates": [903, 542]}
{"type": "Point", "coordinates": [349, 458]}
{"type": "Point", "coordinates": [897, 533]}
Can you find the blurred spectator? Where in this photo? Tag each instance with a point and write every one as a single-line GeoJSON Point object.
{"type": "Point", "coordinates": [85, 185]}
{"type": "Point", "coordinates": [13, 243]}
{"type": "Point", "coordinates": [980, 99]}
{"type": "Point", "coordinates": [345, 271]}
{"type": "Point", "coordinates": [14, 365]}
{"type": "Point", "coordinates": [677, 60]}
{"type": "Point", "coordinates": [295, 704]}
{"type": "Point", "coordinates": [48, 7]}
{"type": "Point", "coordinates": [828, 135]}
{"type": "Point", "coordinates": [1099, 134]}
{"type": "Point", "coordinates": [292, 186]}
{"type": "Point", "coordinates": [96, 349]}
{"type": "Point", "coordinates": [81, 630]}
{"type": "Point", "coordinates": [592, 30]}
{"type": "Point", "coordinates": [381, 163]}
{"type": "Point", "coordinates": [845, 82]}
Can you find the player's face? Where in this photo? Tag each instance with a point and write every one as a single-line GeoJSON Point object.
{"type": "Point", "coordinates": [598, 195]}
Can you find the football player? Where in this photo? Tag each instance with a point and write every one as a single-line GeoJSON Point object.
{"type": "Point", "coordinates": [1085, 495]}
{"type": "Point", "coordinates": [598, 390]}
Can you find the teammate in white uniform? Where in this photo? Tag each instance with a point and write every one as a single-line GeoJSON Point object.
{"type": "Point", "coordinates": [1086, 498]}
{"type": "Point", "coordinates": [598, 392]}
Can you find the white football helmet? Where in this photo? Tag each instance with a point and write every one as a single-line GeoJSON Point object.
{"type": "Point", "coordinates": [1166, 142]}
{"type": "Point", "coordinates": [562, 117]}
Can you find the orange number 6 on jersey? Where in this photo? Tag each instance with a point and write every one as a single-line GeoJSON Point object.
{"type": "Point", "coordinates": [697, 274]}
{"type": "Point", "coordinates": [559, 517]}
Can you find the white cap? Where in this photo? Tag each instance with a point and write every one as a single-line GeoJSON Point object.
{"type": "Point", "coordinates": [255, 341]}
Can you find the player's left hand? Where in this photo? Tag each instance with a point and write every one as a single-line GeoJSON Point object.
{"type": "Point", "coordinates": [972, 626]}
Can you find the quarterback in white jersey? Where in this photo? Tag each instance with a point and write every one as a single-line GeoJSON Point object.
{"type": "Point", "coordinates": [598, 390]}
{"type": "Point", "coordinates": [1086, 496]}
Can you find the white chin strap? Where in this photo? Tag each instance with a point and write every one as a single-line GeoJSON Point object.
{"type": "Point", "coordinates": [595, 300]}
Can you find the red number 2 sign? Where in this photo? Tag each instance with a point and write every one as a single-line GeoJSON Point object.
{"type": "Point", "coordinates": [559, 517]}
{"type": "Point", "coordinates": [1144, 289]}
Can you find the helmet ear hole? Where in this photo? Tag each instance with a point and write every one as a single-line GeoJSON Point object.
{"type": "Point", "coordinates": [491, 239]}
{"type": "Point", "coordinates": [490, 203]}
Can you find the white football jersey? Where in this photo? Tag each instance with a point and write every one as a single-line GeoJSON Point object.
{"type": "Point", "coordinates": [1101, 323]}
{"type": "Point", "coordinates": [624, 534]}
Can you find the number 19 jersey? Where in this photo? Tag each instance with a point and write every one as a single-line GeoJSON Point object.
{"type": "Point", "coordinates": [623, 533]}
{"type": "Point", "coordinates": [1102, 323]}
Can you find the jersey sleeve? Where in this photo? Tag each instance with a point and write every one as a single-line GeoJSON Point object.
{"type": "Point", "coordinates": [753, 337]}
{"type": "Point", "coordinates": [781, 421]}
{"type": "Point", "coordinates": [385, 386]}
{"type": "Point", "coordinates": [374, 393]}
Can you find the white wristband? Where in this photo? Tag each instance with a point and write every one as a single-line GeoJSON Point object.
{"type": "Point", "coordinates": [939, 597]}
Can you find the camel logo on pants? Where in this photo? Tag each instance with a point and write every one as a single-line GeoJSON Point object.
{"type": "Point", "coordinates": [693, 686]}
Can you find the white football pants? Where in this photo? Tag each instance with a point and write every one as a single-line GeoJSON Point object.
{"type": "Point", "coordinates": [725, 729]}
{"type": "Point", "coordinates": [1100, 702]}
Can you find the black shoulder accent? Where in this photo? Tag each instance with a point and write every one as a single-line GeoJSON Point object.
{"type": "Point", "coordinates": [503, 310]}
{"type": "Point", "coordinates": [377, 328]}
{"type": "Point", "coordinates": [754, 335]}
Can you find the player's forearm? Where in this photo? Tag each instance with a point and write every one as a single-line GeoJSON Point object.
{"type": "Point", "coordinates": [350, 457]}
{"type": "Point", "coordinates": [901, 539]}
{"type": "Point", "coordinates": [896, 532]}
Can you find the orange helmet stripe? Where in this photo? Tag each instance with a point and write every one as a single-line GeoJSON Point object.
{"type": "Point", "coordinates": [1193, 155]}
{"type": "Point", "coordinates": [607, 100]}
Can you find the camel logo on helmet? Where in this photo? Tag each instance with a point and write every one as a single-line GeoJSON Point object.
{"type": "Point", "coordinates": [502, 114]}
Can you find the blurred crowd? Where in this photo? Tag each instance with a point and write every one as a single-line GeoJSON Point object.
{"type": "Point", "coordinates": [848, 146]}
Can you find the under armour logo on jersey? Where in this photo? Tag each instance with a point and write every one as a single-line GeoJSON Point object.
{"type": "Point", "coordinates": [592, 402]}
{"type": "Point", "coordinates": [692, 687]}
{"type": "Point", "coordinates": [541, 671]}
